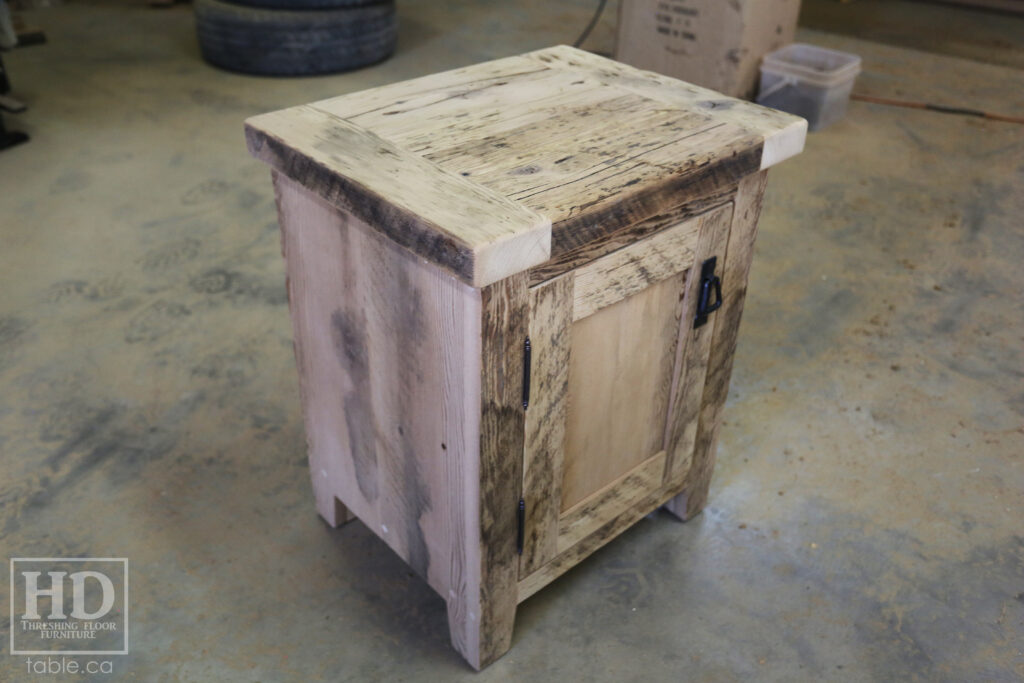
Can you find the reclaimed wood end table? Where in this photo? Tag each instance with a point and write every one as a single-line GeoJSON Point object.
{"type": "Point", "coordinates": [515, 291]}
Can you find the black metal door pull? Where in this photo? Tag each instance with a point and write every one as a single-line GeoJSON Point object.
{"type": "Point", "coordinates": [520, 526]}
{"type": "Point", "coordinates": [708, 281]}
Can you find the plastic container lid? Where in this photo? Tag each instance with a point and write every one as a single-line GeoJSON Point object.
{"type": "Point", "coordinates": [815, 65]}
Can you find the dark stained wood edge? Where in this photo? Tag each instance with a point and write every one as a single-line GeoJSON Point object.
{"type": "Point", "coordinates": [697, 186]}
{"type": "Point", "coordinates": [551, 308]}
{"type": "Point", "coordinates": [692, 354]}
{"type": "Point", "coordinates": [403, 227]}
{"type": "Point", "coordinates": [623, 235]}
{"type": "Point", "coordinates": [575, 554]}
{"type": "Point", "coordinates": [739, 255]}
{"type": "Point", "coordinates": [502, 432]}
{"type": "Point", "coordinates": [610, 501]}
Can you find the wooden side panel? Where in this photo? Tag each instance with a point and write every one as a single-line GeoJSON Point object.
{"type": "Point", "coordinates": [723, 344]}
{"type": "Point", "coordinates": [550, 323]}
{"type": "Point", "coordinates": [620, 374]}
{"type": "Point", "coordinates": [387, 349]}
{"type": "Point", "coordinates": [692, 353]}
{"type": "Point", "coordinates": [467, 556]}
{"type": "Point", "coordinates": [601, 507]}
{"type": "Point", "coordinates": [476, 234]}
{"type": "Point", "coordinates": [482, 628]}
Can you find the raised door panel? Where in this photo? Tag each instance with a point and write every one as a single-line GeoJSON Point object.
{"type": "Point", "coordinates": [612, 399]}
{"type": "Point", "coordinates": [620, 375]}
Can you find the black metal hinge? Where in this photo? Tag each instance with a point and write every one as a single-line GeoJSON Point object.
{"type": "Point", "coordinates": [708, 282]}
{"type": "Point", "coordinates": [521, 526]}
{"type": "Point", "coordinates": [521, 508]}
{"type": "Point", "coordinates": [526, 373]}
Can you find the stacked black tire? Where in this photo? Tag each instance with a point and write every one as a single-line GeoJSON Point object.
{"type": "Point", "coordinates": [295, 37]}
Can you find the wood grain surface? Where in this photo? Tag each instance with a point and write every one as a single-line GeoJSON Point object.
{"type": "Point", "coordinates": [505, 321]}
{"type": "Point", "coordinates": [630, 515]}
{"type": "Point", "coordinates": [387, 349]}
{"type": "Point", "coordinates": [499, 167]}
{"type": "Point", "coordinates": [783, 134]}
{"type": "Point", "coordinates": [551, 306]}
{"type": "Point", "coordinates": [698, 199]}
{"type": "Point", "coordinates": [475, 233]}
{"type": "Point", "coordinates": [415, 219]}
{"type": "Point", "coordinates": [614, 347]}
{"type": "Point", "coordinates": [620, 373]}
{"type": "Point", "coordinates": [693, 352]}
{"type": "Point", "coordinates": [607, 503]}
{"type": "Point", "coordinates": [636, 266]}
{"type": "Point", "coordinates": [726, 321]}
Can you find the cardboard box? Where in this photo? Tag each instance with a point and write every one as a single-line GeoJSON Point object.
{"type": "Point", "coordinates": [717, 44]}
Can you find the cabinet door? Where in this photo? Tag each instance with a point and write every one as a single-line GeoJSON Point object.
{"type": "Point", "coordinates": [617, 375]}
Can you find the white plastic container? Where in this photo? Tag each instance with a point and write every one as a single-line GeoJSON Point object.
{"type": "Point", "coordinates": [809, 81]}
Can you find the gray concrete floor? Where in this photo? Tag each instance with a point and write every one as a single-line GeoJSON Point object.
{"type": "Point", "coordinates": [992, 36]}
{"type": "Point", "coordinates": [866, 515]}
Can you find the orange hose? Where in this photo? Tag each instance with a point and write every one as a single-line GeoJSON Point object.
{"type": "Point", "coordinates": [937, 107]}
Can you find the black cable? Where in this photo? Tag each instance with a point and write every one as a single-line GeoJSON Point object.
{"type": "Point", "coordinates": [592, 24]}
{"type": "Point", "coordinates": [945, 109]}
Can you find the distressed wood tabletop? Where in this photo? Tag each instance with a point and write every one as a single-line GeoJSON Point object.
{"type": "Point", "coordinates": [495, 168]}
